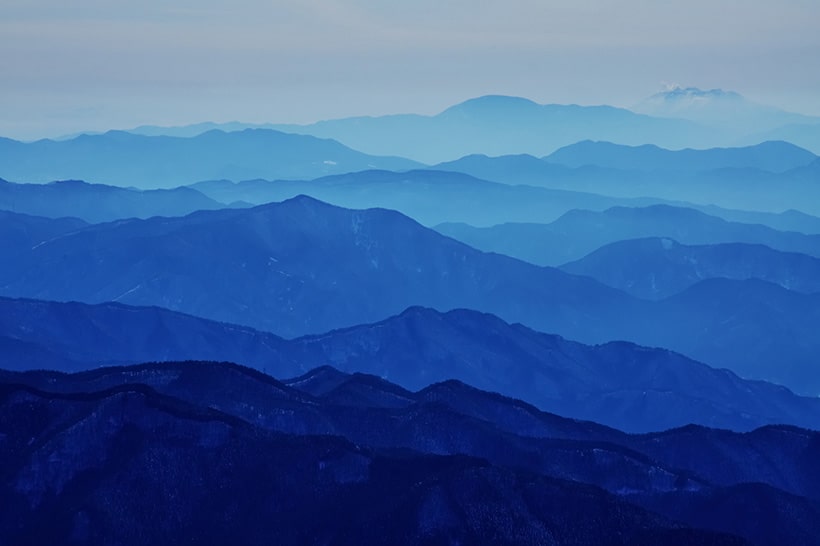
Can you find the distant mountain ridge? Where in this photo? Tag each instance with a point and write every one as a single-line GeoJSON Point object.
{"type": "Point", "coordinates": [498, 125]}
{"type": "Point", "coordinates": [772, 156]}
{"type": "Point", "coordinates": [772, 176]}
{"type": "Point", "coordinates": [579, 232]}
{"type": "Point", "coordinates": [657, 268]}
{"type": "Point", "coordinates": [99, 203]}
{"type": "Point", "coordinates": [428, 196]}
{"type": "Point", "coordinates": [124, 159]}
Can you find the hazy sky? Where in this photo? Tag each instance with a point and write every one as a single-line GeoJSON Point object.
{"type": "Point", "coordinates": [98, 64]}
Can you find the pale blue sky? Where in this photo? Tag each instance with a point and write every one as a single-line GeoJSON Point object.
{"type": "Point", "coordinates": [98, 64]}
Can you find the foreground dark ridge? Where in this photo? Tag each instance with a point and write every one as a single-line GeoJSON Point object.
{"type": "Point", "coordinates": [631, 387]}
{"type": "Point", "coordinates": [234, 445]}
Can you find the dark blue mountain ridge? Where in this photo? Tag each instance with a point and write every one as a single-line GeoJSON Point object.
{"type": "Point", "coordinates": [124, 159]}
{"type": "Point", "coordinates": [580, 232]}
{"type": "Point", "coordinates": [619, 384]}
{"type": "Point", "coordinates": [469, 424]}
{"type": "Point", "coordinates": [612, 379]}
{"type": "Point", "coordinates": [773, 156]}
{"type": "Point", "coordinates": [160, 457]}
{"type": "Point", "coordinates": [296, 267]}
{"type": "Point", "coordinates": [100, 203]}
{"type": "Point", "coordinates": [302, 266]}
{"type": "Point", "coordinates": [656, 268]}
{"type": "Point", "coordinates": [259, 399]}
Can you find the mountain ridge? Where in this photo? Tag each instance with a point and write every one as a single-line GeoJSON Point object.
{"type": "Point", "coordinates": [150, 162]}
{"type": "Point", "coordinates": [607, 383]}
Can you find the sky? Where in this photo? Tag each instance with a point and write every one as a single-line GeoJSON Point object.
{"type": "Point", "coordinates": [101, 64]}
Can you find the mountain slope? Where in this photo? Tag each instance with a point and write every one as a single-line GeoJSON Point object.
{"type": "Point", "coordinates": [124, 159]}
{"type": "Point", "coordinates": [656, 268]}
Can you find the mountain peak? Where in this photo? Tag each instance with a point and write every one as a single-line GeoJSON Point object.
{"type": "Point", "coordinates": [491, 104]}
{"type": "Point", "coordinates": [679, 93]}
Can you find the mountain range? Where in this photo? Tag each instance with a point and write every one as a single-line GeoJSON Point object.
{"type": "Point", "coordinates": [119, 158]}
{"type": "Point", "coordinates": [296, 267]}
{"type": "Point", "coordinates": [772, 176]}
{"type": "Point", "coordinates": [547, 480]}
{"type": "Point", "coordinates": [428, 196]}
{"type": "Point", "coordinates": [95, 203]}
{"type": "Point", "coordinates": [775, 157]}
{"type": "Point", "coordinates": [506, 323]}
{"type": "Point", "coordinates": [626, 386]}
{"type": "Point", "coordinates": [657, 268]}
{"type": "Point", "coordinates": [305, 267]}
{"type": "Point", "coordinates": [499, 125]}
{"type": "Point", "coordinates": [580, 232]}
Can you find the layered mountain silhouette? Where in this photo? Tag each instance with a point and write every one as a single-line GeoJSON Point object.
{"type": "Point", "coordinates": [124, 159]}
{"type": "Point", "coordinates": [656, 268]}
{"type": "Point", "coordinates": [772, 176]}
{"type": "Point", "coordinates": [620, 384]}
{"type": "Point", "coordinates": [498, 125]}
{"type": "Point", "coordinates": [428, 196]}
{"type": "Point", "coordinates": [789, 220]}
{"type": "Point", "coordinates": [99, 203]}
{"type": "Point", "coordinates": [570, 325]}
{"type": "Point", "coordinates": [297, 267]}
{"type": "Point", "coordinates": [532, 171]}
{"type": "Point", "coordinates": [222, 426]}
{"type": "Point", "coordinates": [579, 232]}
{"type": "Point", "coordinates": [302, 267]}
